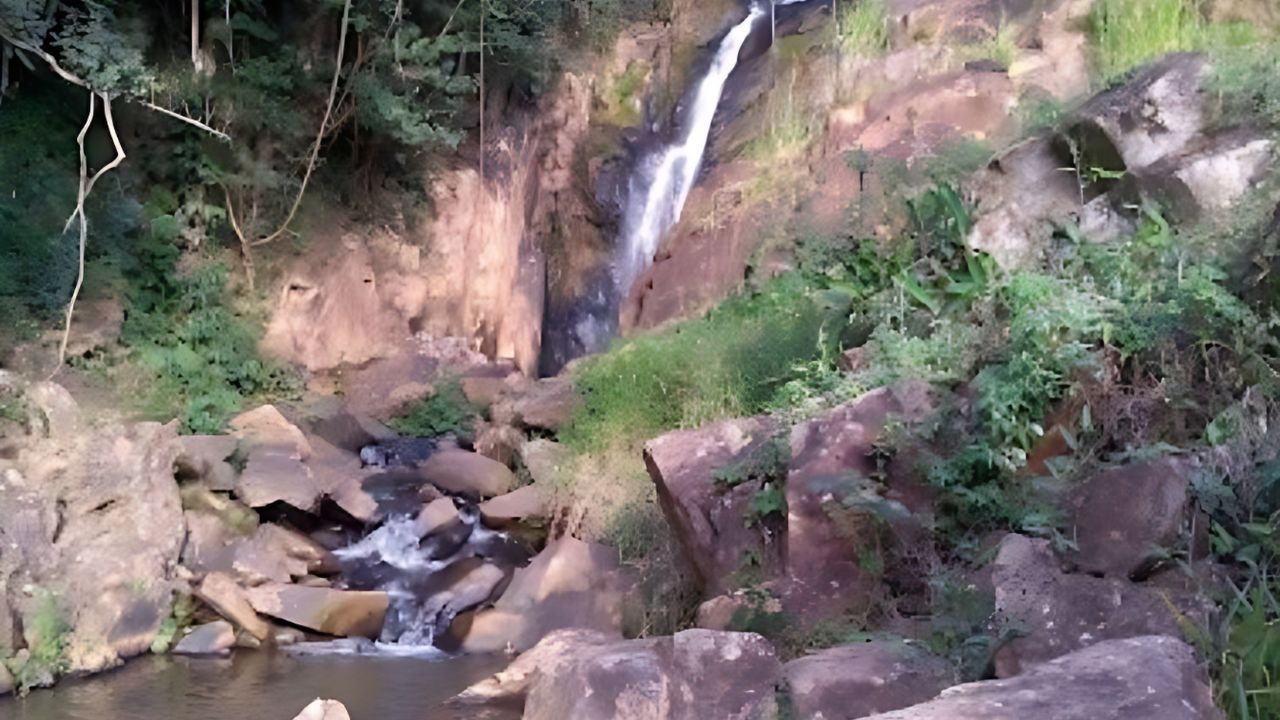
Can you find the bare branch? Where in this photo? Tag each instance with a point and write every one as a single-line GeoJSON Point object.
{"type": "Point", "coordinates": [186, 119]}
{"type": "Point", "coordinates": [86, 185]}
{"type": "Point", "coordinates": [246, 247]}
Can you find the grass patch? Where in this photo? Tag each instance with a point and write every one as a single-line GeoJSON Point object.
{"type": "Point", "coordinates": [727, 364]}
{"type": "Point", "coordinates": [1128, 33]}
{"type": "Point", "coordinates": [864, 28]}
{"type": "Point", "coordinates": [446, 411]}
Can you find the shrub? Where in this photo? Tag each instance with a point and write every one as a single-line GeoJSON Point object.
{"type": "Point", "coordinates": [445, 411]}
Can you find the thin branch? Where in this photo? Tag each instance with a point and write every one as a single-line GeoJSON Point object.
{"type": "Point", "coordinates": [324, 123]}
{"type": "Point", "coordinates": [86, 185]}
{"type": "Point", "coordinates": [246, 247]}
{"type": "Point", "coordinates": [77, 80]}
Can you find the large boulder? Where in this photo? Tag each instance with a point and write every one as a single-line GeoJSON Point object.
{"type": "Point", "coordinates": [511, 685]}
{"type": "Point", "coordinates": [570, 584]}
{"type": "Point", "coordinates": [694, 675]}
{"type": "Point", "coordinates": [277, 554]}
{"type": "Point", "coordinates": [711, 518]}
{"type": "Point", "coordinates": [92, 532]}
{"type": "Point", "coordinates": [1142, 678]}
{"type": "Point", "coordinates": [854, 681]}
{"type": "Point", "coordinates": [835, 507]}
{"type": "Point", "coordinates": [528, 503]}
{"type": "Point", "coordinates": [342, 613]}
{"type": "Point", "coordinates": [275, 470]}
{"type": "Point", "coordinates": [221, 593]}
{"type": "Point", "coordinates": [459, 471]}
{"type": "Point", "coordinates": [265, 426]}
{"type": "Point", "coordinates": [1055, 613]}
{"type": "Point", "coordinates": [204, 457]}
{"type": "Point", "coordinates": [1125, 516]}
{"type": "Point", "coordinates": [548, 404]}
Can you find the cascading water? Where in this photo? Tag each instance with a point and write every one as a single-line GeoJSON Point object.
{"type": "Point", "coordinates": [661, 185]}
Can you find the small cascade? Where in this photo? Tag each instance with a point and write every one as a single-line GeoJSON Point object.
{"type": "Point", "coordinates": [661, 183]}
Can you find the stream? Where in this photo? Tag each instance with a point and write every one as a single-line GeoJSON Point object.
{"type": "Point", "coordinates": [264, 686]}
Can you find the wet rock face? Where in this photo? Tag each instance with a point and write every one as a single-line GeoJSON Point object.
{"type": "Point", "coordinates": [859, 680]}
{"type": "Point", "coordinates": [332, 612]}
{"type": "Point", "coordinates": [96, 522]}
{"type": "Point", "coordinates": [1058, 613]}
{"type": "Point", "coordinates": [1141, 678]}
{"type": "Point", "coordinates": [709, 518]}
{"type": "Point", "coordinates": [694, 675]}
{"type": "Point", "coordinates": [215, 638]}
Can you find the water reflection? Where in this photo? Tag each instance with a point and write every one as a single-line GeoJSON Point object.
{"type": "Point", "coordinates": [261, 686]}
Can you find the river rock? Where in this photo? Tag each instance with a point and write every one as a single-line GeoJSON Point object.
{"type": "Point", "coordinates": [548, 404]}
{"type": "Point", "coordinates": [274, 474]}
{"type": "Point", "coordinates": [527, 503]}
{"type": "Point", "coordinates": [511, 686]}
{"type": "Point", "coordinates": [459, 471]}
{"type": "Point", "coordinates": [342, 613]}
{"type": "Point", "coordinates": [832, 463]}
{"type": "Point", "coordinates": [709, 519]}
{"type": "Point", "coordinates": [278, 554]}
{"type": "Point", "coordinates": [437, 515]}
{"type": "Point", "coordinates": [266, 427]}
{"type": "Point", "coordinates": [204, 458]}
{"type": "Point", "coordinates": [324, 710]}
{"type": "Point", "coordinates": [220, 592]}
{"type": "Point", "coordinates": [1141, 678]}
{"type": "Point", "coordinates": [859, 680]}
{"type": "Point", "coordinates": [1056, 613]}
{"type": "Point", "coordinates": [1123, 516]}
{"type": "Point", "coordinates": [693, 675]}
{"type": "Point", "coordinates": [570, 584]}
{"type": "Point", "coordinates": [110, 567]}
{"type": "Point", "coordinates": [215, 638]}
{"type": "Point", "coordinates": [483, 385]}
{"type": "Point", "coordinates": [210, 545]}
{"type": "Point", "coordinates": [351, 432]}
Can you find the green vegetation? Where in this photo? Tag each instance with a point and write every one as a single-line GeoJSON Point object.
{"type": "Point", "coordinates": [445, 411]}
{"type": "Point", "coordinates": [728, 364]}
{"type": "Point", "coordinates": [864, 28]}
{"type": "Point", "coordinates": [1128, 33]}
{"type": "Point", "coordinates": [621, 95]}
{"type": "Point", "coordinates": [45, 659]}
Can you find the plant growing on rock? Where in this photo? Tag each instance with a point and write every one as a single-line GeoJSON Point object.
{"type": "Point", "coordinates": [45, 659]}
{"type": "Point", "coordinates": [446, 411]}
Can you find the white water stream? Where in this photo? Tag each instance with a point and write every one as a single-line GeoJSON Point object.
{"type": "Point", "coordinates": [658, 191]}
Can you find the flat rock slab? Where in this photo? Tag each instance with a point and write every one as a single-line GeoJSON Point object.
{"type": "Point", "coordinates": [276, 475]}
{"type": "Point", "coordinates": [526, 503]}
{"type": "Point", "coordinates": [342, 613]}
{"type": "Point", "coordinates": [1142, 678]}
{"type": "Point", "coordinates": [220, 592]}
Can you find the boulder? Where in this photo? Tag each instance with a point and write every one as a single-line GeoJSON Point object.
{"type": "Point", "coordinates": [266, 427]}
{"type": "Point", "coordinates": [324, 710]}
{"type": "Point", "coordinates": [1141, 678]}
{"type": "Point", "coordinates": [694, 675]}
{"type": "Point", "coordinates": [440, 598]}
{"type": "Point", "coordinates": [548, 404]}
{"type": "Point", "coordinates": [1056, 613]}
{"type": "Point", "coordinates": [498, 442]}
{"type": "Point", "coordinates": [215, 638]}
{"type": "Point", "coordinates": [272, 476]}
{"type": "Point", "coordinates": [6, 680]}
{"type": "Point", "coordinates": [1126, 516]}
{"type": "Point", "coordinates": [278, 554]}
{"type": "Point", "coordinates": [437, 515]}
{"type": "Point", "coordinates": [553, 652]}
{"type": "Point", "coordinates": [459, 471]}
{"type": "Point", "coordinates": [528, 503]}
{"type": "Point", "coordinates": [220, 592]}
{"type": "Point", "coordinates": [351, 432]}
{"type": "Point", "coordinates": [830, 480]}
{"type": "Point", "coordinates": [204, 458]}
{"type": "Point", "coordinates": [483, 385]}
{"type": "Point", "coordinates": [710, 518]}
{"type": "Point", "coordinates": [342, 613]}
{"type": "Point", "coordinates": [858, 680]}
{"type": "Point", "coordinates": [570, 584]}
{"type": "Point", "coordinates": [60, 411]}
{"type": "Point", "coordinates": [96, 519]}
{"type": "Point", "coordinates": [210, 545]}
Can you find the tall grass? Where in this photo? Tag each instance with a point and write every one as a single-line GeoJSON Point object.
{"type": "Point", "coordinates": [727, 364]}
{"type": "Point", "coordinates": [1128, 33]}
{"type": "Point", "coordinates": [864, 27]}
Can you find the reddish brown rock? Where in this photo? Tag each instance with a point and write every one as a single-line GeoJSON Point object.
{"type": "Point", "coordinates": [511, 685]}
{"type": "Point", "coordinates": [272, 475]}
{"type": "Point", "coordinates": [343, 613]}
{"type": "Point", "coordinates": [215, 638]}
{"type": "Point", "coordinates": [220, 592]}
{"type": "Point", "coordinates": [266, 427]}
{"type": "Point", "coordinates": [1056, 613]}
{"type": "Point", "coordinates": [436, 515]}
{"type": "Point", "coordinates": [693, 675]}
{"type": "Point", "coordinates": [204, 458]}
{"type": "Point", "coordinates": [832, 471]}
{"type": "Point", "coordinates": [854, 681]}
{"type": "Point", "coordinates": [459, 471]}
{"type": "Point", "coordinates": [1142, 678]}
{"type": "Point", "coordinates": [526, 503]}
{"type": "Point", "coordinates": [548, 404]}
{"type": "Point", "coordinates": [1125, 515]}
{"type": "Point", "coordinates": [570, 584]}
{"type": "Point", "coordinates": [709, 518]}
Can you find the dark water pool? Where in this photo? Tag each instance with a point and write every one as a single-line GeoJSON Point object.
{"type": "Point", "coordinates": [262, 686]}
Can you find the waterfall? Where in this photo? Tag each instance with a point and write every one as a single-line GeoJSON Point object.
{"type": "Point", "coordinates": [661, 185]}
